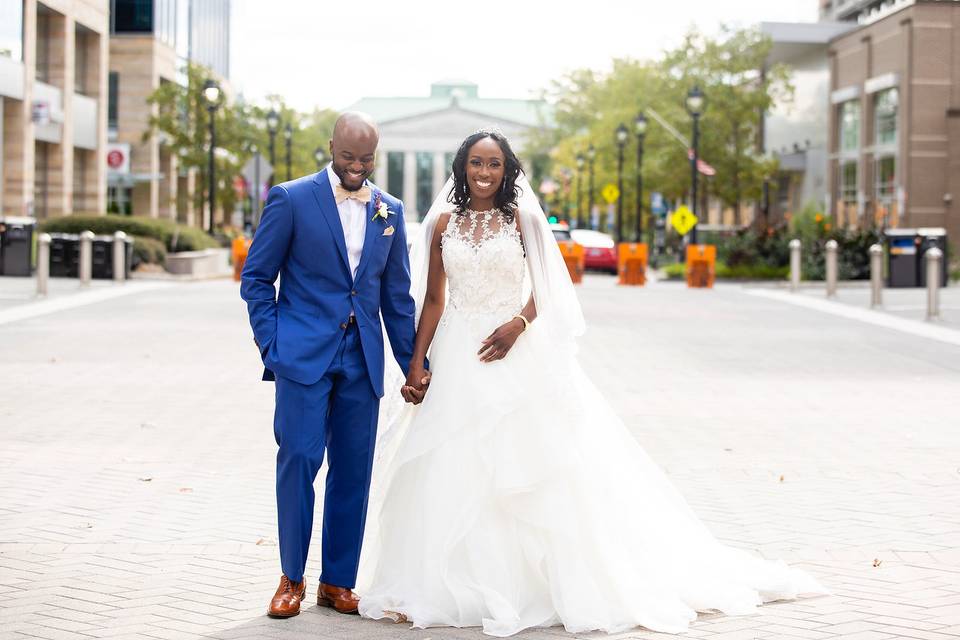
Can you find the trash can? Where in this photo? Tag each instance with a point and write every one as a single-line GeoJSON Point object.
{"type": "Point", "coordinates": [16, 245]}
{"type": "Point", "coordinates": [102, 247]}
{"type": "Point", "coordinates": [929, 238]}
{"type": "Point", "coordinates": [903, 261]}
{"type": "Point", "coordinates": [64, 255]}
{"type": "Point", "coordinates": [906, 250]}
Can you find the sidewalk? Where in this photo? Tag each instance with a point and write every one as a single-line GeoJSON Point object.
{"type": "Point", "coordinates": [137, 463]}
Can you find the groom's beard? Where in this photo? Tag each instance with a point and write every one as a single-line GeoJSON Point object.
{"type": "Point", "coordinates": [344, 175]}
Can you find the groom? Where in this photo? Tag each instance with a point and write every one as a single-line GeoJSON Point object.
{"type": "Point", "coordinates": [339, 244]}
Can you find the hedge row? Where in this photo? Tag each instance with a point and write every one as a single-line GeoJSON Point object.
{"type": "Point", "coordinates": [173, 236]}
{"type": "Point", "coordinates": [677, 271]}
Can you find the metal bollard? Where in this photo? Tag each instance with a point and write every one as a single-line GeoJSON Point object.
{"type": "Point", "coordinates": [876, 276]}
{"type": "Point", "coordinates": [86, 258]}
{"type": "Point", "coordinates": [831, 268]}
{"type": "Point", "coordinates": [933, 258]}
{"type": "Point", "coordinates": [43, 263]}
{"type": "Point", "coordinates": [119, 256]}
{"type": "Point", "coordinates": [794, 265]}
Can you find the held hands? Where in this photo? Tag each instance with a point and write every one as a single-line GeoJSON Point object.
{"type": "Point", "coordinates": [415, 388]}
{"type": "Point", "coordinates": [499, 343]}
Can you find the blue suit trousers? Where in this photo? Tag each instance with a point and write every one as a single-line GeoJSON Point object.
{"type": "Point", "coordinates": [336, 416]}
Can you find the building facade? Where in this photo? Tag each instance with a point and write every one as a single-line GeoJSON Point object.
{"type": "Point", "coordinates": [151, 43]}
{"type": "Point", "coordinates": [895, 119]}
{"type": "Point", "coordinates": [420, 135]}
{"type": "Point", "coordinates": [796, 133]}
{"type": "Point", "coordinates": [53, 93]}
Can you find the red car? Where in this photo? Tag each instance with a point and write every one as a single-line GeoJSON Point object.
{"type": "Point", "coordinates": [600, 249]}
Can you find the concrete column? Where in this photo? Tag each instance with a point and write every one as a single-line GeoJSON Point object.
{"type": "Point", "coordinates": [60, 156]}
{"type": "Point", "coordinates": [380, 173]}
{"type": "Point", "coordinates": [439, 172]}
{"type": "Point", "coordinates": [18, 129]}
{"type": "Point", "coordinates": [410, 184]}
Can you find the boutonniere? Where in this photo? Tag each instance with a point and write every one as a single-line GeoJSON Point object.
{"type": "Point", "coordinates": [380, 209]}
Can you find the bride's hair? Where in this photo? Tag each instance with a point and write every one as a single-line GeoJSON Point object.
{"type": "Point", "coordinates": [507, 194]}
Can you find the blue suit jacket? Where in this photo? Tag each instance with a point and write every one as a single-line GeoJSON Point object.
{"type": "Point", "coordinates": [300, 238]}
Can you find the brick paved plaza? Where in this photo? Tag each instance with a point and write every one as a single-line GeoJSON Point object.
{"type": "Point", "coordinates": [136, 462]}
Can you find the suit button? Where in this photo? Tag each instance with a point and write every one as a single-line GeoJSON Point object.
{"type": "Point", "coordinates": [343, 325]}
{"type": "Point", "coordinates": [353, 293]}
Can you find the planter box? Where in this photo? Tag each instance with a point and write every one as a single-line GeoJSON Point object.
{"type": "Point", "coordinates": [207, 263]}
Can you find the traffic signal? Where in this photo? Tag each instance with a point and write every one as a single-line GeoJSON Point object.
{"type": "Point", "coordinates": [552, 219]}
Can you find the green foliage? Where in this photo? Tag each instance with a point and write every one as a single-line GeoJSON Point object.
{"type": "Point", "coordinates": [677, 271]}
{"type": "Point", "coordinates": [590, 105]}
{"type": "Point", "coordinates": [182, 121]}
{"type": "Point", "coordinates": [814, 229]}
{"type": "Point", "coordinates": [148, 250]}
{"type": "Point", "coordinates": [173, 236]}
{"type": "Point", "coordinates": [755, 247]}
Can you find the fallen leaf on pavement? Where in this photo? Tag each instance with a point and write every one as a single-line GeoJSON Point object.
{"type": "Point", "coordinates": [877, 562]}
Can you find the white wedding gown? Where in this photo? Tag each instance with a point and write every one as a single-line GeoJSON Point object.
{"type": "Point", "coordinates": [515, 497]}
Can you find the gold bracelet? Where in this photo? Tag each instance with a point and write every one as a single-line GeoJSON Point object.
{"type": "Point", "coordinates": [526, 323]}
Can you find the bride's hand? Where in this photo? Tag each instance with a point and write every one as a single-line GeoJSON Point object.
{"type": "Point", "coordinates": [414, 389]}
{"type": "Point", "coordinates": [499, 343]}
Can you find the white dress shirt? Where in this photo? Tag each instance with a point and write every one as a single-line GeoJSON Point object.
{"type": "Point", "coordinates": [353, 218]}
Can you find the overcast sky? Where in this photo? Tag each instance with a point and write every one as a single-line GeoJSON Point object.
{"type": "Point", "coordinates": [329, 54]}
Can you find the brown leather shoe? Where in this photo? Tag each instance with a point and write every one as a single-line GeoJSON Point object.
{"type": "Point", "coordinates": [286, 601]}
{"type": "Point", "coordinates": [337, 598]}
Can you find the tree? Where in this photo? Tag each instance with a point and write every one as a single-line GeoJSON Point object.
{"type": "Point", "coordinates": [730, 71]}
{"type": "Point", "coordinates": [182, 121]}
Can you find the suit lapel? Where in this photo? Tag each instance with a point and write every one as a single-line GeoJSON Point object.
{"type": "Point", "coordinates": [374, 228]}
{"type": "Point", "coordinates": [329, 212]}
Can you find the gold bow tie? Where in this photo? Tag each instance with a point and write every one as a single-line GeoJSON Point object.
{"type": "Point", "coordinates": [360, 195]}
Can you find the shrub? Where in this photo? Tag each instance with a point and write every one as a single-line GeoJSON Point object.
{"type": "Point", "coordinates": [148, 251]}
{"type": "Point", "coordinates": [175, 237]}
{"type": "Point", "coordinates": [677, 271]}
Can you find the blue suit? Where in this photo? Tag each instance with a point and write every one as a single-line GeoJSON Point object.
{"type": "Point", "coordinates": [328, 367]}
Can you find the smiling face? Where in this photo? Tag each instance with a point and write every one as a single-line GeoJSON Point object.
{"type": "Point", "coordinates": [353, 150]}
{"type": "Point", "coordinates": [485, 169]}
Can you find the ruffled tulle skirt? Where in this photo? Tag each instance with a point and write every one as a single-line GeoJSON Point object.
{"type": "Point", "coordinates": [514, 497]}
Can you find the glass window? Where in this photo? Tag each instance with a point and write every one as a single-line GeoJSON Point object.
{"type": "Point", "coordinates": [424, 181]}
{"type": "Point", "coordinates": [395, 173]}
{"type": "Point", "coordinates": [886, 179]}
{"type": "Point", "coordinates": [885, 110]}
{"type": "Point", "coordinates": [113, 91]}
{"type": "Point", "coordinates": [11, 29]}
{"type": "Point", "coordinates": [850, 126]}
{"type": "Point", "coordinates": [848, 182]}
{"type": "Point", "coordinates": [133, 16]}
{"type": "Point", "coordinates": [43, 45]}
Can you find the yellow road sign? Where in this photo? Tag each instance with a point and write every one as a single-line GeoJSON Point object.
{"type": "Point", "coordinates": [683, 220]}
{"type": "Point", "coordinates": [610, 193]}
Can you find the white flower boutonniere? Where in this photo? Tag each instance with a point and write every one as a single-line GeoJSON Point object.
{"type": "Point", "coordinates": [380, 210]}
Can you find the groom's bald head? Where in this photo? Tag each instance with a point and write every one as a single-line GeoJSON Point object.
{"type": "Point", "coordinates": [353, 148]}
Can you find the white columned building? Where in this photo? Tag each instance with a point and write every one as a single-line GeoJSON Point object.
{"type": "Point", "coordinates": [420, 135]}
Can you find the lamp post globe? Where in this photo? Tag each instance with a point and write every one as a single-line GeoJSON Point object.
{"type": "Point", "coordinates": [320, 156]}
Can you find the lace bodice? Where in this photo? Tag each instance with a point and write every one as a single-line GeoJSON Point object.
{"type": "Point", "coordinates": [484, 262]}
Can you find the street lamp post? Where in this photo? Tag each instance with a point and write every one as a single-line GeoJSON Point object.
{"type": "Point", "coordinates": [581, 223]}
{"type": "Point", "coordinates": [695, 104]}
{"type": "Point", "coordinates": [320, 156]}
{"type": "Point", "coordinates": [591, 157]}
{"type": "Point", "coordinates": [621, 136]}
{"type": "Point", "coordinates": [273, 122]}
{"type": "Point", "coordinates": [212, 97]}
{"type": "Point", "coordinates": [288, 137]}
{"type": "Point", "coordinates": [640, 128]}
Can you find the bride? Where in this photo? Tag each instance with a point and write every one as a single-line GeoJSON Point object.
{"type": "Point", "coordinates": [513, 496]}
